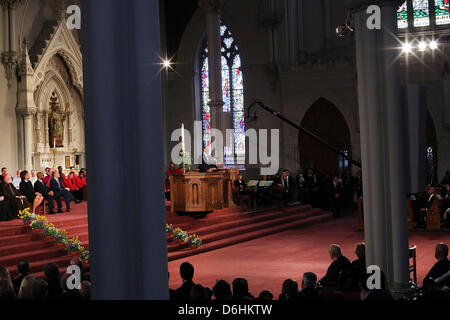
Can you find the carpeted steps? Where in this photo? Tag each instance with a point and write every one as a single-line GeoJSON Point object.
{"type": "Point", "coordinates": [240, 227]}
{"type": "Point", "coordinates": [217, 229]}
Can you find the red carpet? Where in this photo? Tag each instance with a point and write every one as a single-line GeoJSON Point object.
{"type": "Point", "coordinates": [256, 246]}
{"type": "Point", "coordinates": [268, 261]}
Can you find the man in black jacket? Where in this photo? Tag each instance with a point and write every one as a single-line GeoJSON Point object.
{"type": "Point", "coordinates": [336, 197]}
{"type": "Point", "coordinates": [41, 187]}
{"type": "Point", "coordinates": [59, 191]}
{"type": "Point", "coordinates": [187, 274]}
{"type": "Point", "coordinates": [441, 267]}
{"type": "Point", "coordinates": [339, 264]}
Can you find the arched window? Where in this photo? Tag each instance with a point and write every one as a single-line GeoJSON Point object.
{"type": "Point", "coordinates": [422, 13]}
{"type": "Point", "coordinates": [232, 88]}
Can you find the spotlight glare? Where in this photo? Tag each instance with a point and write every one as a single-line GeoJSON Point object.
{"type": "Point", "coordinates": [167, 63]}
{"type": "Point", "coordinates": [406, 48]}
{"type": "Point", "coordinates": [422, 46]}
{"type": "Point", "coordinates": [433, 45]}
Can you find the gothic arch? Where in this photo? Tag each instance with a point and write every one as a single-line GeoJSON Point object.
{"type": "Point", "coordinates": [52, 83]}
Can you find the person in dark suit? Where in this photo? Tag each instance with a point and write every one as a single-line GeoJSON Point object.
{"type": "Point", "coordinates": [5, 208]}
{"type": "Point", "coordinates": [309, 288]}
{"type": "Point", "coordinates": [441, 267]}
{"type": "Point", "coordinates": [187, 274]}
{"type": "Point", "coordinates": [336, 191]}
{"type": "Point", "coordinates": [41, 187]}
{"type": "Point", "coordinates": [27, 190]}
{"type": "Point", "coordinates": [287, 184]}
{"type": "Point", "coordinates": [59, 192]}
{"type": "Point", "coordinates": [208, 162]}
{"type": "Point", "coordinates": [3, 174]}
{"type": "Point", "coordinates": [339, 264]}
{"type": "Point", "coordinates": [23, 269]}
{"type": "Point", "coordinates": [421, 214]}
{"type": "Point", "coordinates": [16, 200]}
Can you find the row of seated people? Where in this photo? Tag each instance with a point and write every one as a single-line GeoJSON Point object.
{"type": "Point", "coordinates": [54, 186]}
{"type": "Point", "coordinates": [434, 198]}
{"type": "Point", "coordinates": [342, 275]}
{"type": "Point", "coordinates": [53, 287]}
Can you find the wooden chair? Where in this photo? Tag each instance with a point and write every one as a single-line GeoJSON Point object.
{"type": "Point", "coordinates": [433, 216]}
{"type": "Point", "coordinates": [240, 198]}
{"type": "Point", "coordinates": [43, 206]}
{"type": "Point", "coordinates": [360, 214]}
{"type": "Point", "coordinates": [413, 266]}
{"type": "Point", "coordinates": [410, 214]}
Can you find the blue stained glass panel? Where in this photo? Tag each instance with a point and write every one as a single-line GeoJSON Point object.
{"type": "Point", "coordinates": [442, 11]}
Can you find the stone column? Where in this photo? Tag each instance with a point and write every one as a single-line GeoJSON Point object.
{"type": "Point", "coordinates": [28, 130]}
{"type": "Point", "coordinates": [123, 112]}
{"type": "Point", "coordinates": [212, 9]}
{"type": "Point", "coordinates": [383, 147]}
{"type": "Point", "coordinates": [46, 132]}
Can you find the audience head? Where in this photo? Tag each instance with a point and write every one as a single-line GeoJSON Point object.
{"type": "Point", "coordinates": [335, 252]}
{"type": "Point", "coordinates": [39, 289]}
{"type": "Point", "coordinates": [76, 261]}
{"type": "Point", "coordinates": [222, 290]}
{"type": "Point", "coordinates": [186, 271]}
{"type": "Point", "coordinates": [431, 190]}
{"type": "Point", "coordinates": [266, 295]}
{"type": "Point", "coordinates": [25, 291]}
{"type": "Point", "coordinates": [4, 170]}
{"type": "Point", "coordinates": [40, 175]}
{"type": "Point", "coordinates": [198, 294]}
{"type": "Point", "coordinates": [8, 178]}
{"type": "Point", "coordinates": [309, 280]}
{"type": "Point", "coordinates": [55, 174]}
{"type": "Point", "coordinates": [17, 173]}
{"type": "Point", "coordinates": [24, 175]}
{"type": "Point", "coordinates": [23, 267]}
{"type": "Point", "coordinates": [48, 171]}
{"type": "Point", "coordinates": [441, 251]}
{"type": "Point", "coordinates": [240, 287]}
{"type": "Point", "coordinates": [51, 271]}
{"type": "Point", "coordinates": [60, 169]}
{"type": "Point", "coordinates": [85, 290]}
{"type": "Point", "coordinates": [363, 282]}
{"type": "Point", "coordinates": [63, 282]}
{"type": "Point", "coordinates": [6, 286]}
{"type": "Point", "coordinates": [33, 173]}
{"type": "Point", "coordinates": [289, 288]}
{"type": "Point", "coordinates": [360, 250]}
{"type": "Point", "coordinates": [72, 169]}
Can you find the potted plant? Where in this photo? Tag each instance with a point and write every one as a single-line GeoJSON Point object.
{"type": "Point", "coordinates": [61, 239]}
{"type": "Point", "coordinates": [26, 216]}
{"type": "Point", "coordinates": [84, 255]}
{"type": "Point", "coordinates": [180, 235]}
{"type": "Point", "coordinates": [38, 224]}
{"type": "Point", "coordinates": [169, 231]}
{"type": "Point", "coordinates": [49, 232]}
{"type": "Point", "coordinates": [194, 241]}
{"type": "Point", "coordinates": [73, 246]}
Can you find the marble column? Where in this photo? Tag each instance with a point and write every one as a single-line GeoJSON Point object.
{"type": "Point", "coordinates": [28, 130]}
{"type": "Point", "coordinates": [123, 113]}
{"type": "Point", "coordinates": [212, 9]}
{"type": "Point", "coordinates": [383, 147]}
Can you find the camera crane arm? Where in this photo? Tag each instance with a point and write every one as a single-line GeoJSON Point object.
{"type": "Point", "coordinates": [265, 107]}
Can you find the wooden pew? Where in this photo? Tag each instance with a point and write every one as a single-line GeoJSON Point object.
{"type": "Point", "coordinates": [433, 216]}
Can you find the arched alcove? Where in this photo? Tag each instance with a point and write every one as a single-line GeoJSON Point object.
{"type": "Point", "coordinates": [326, 121]}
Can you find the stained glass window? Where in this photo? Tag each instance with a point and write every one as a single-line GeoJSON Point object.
{"type": "Point", "coordinates": [442, 11]}
{"type": "Point", "coordinates": [421, 13]}
{"type": "Point", "coordinates": [343, 162]}
{"type": "Point", "coordinates": [430, 157]}
{"type": "Point", "coordinates": [232, 90]}
{"type": "Point", "coordinates": [402, 16]}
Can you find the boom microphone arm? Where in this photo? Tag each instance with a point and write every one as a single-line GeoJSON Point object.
{"type": "Point", "coordinates": [306, 131]}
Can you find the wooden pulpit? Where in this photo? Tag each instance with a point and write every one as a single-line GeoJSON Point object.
{"type": "Point", "coordinates": [202, 191]}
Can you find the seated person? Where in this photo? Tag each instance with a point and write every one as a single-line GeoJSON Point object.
{"type": "Point", "coordinates": [4, 173]}
{"type": "Point", "coordinates": [5, 208]}
{"type": "Point", "coordinates": [173, 170]}
{"type": "Point", "coordinates": [339, 264]}
{"type": "Point", "coordinates": [309, 288]}
{"type": "Point", "coordinates": [82, 176]}
{"type": "Point", "coordinates": [421, 214]}
{"type": "Point", "coordinates": [41, 187]}
{"type": "Point", "coordinates": [27, 190]}
{"type": "Point", "coordinates": [48, 176]}
{"type": "Point", "coordinates": [17, 201]}
{"type": "Point", "coordinates": [72, 182]}
{"type": "Point", "coordinates": [33, 178]}
{"type": "Point", "coordinates": [187, 274]}
{"type": "Point", "coordinates": [359, 265]}
{"type": "Point", "coordinates": [240, 184]}
{"type": "Point", "coordinates": [59, 191]}
{"type": "Point", "coordinates": [441, 267]}
{"type": "Point", "coordinates": [289, 290]}
{"type": "Point", "coordinates": [16, 180]}
{"type": "Point", "coordinates": [287, 185]}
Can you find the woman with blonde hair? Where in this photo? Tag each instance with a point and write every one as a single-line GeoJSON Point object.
{"type": "Point", "coordinates": [25, 291]}
{"type": "Point", "coordinates": [6, 286]}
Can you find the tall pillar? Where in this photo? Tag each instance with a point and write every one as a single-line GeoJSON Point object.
{"type": "Point", "coordinates": [212, 9]}
{"type": "Point", "coordinates": [123, 112]}
{"type": "Point", "coordinates": [28, 129]}
{"type": "Point", "coordinates": [383, 147]}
